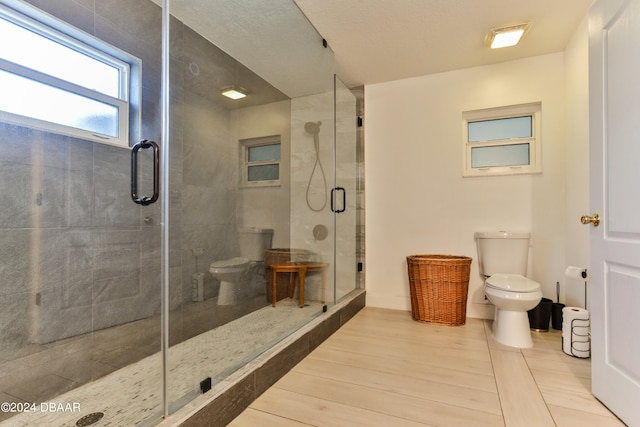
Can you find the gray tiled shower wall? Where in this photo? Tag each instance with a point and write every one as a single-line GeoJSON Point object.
{"type": "Point", "coordinates": [76, 254]}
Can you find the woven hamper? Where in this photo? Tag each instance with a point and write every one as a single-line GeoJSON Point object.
{"type": "Point", "coordinates": [439, 285]}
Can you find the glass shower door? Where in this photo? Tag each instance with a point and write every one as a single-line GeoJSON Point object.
{"type": "Point", "coordinates": [79, 260]}
{"type": "Point", "coordinates": [240, 167]}
{"type": "Point", "coordinates": [345, 192]}
{"type": "Point", "coordinates": [87, 317]}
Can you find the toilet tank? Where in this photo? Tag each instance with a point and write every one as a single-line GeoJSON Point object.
{"type": "Point", "coordinates": [502, 252]}
{"type": "Point", "coordinates": [254, 241]}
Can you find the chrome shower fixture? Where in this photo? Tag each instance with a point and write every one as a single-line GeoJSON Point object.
{"type": "Point", "coordinates": [312, 127]}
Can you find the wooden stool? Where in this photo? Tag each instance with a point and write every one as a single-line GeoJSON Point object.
{"type": "Point", "coordinates": [301, 269]}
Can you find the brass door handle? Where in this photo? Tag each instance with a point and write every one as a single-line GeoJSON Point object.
{"type": "Point", "coordinates": [593, 219]}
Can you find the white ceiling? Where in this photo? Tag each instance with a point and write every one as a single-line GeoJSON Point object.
{"type": "Point", "coordinates": [383, 40]}
{"type": "Point", "coordinates": [373, 40]}
{"type": "Point", "coordinates": [270, 37]}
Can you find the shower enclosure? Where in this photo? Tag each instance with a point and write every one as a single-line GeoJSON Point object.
{"type": "Point", "coordinates": [108, 310]}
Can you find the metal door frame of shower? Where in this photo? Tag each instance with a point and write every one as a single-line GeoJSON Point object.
{"type": "Point", "coordinates": [164, 201]}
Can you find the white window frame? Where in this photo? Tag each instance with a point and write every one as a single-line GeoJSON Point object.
{"type": "Point", "coordinates": [535, 143]}
{"type": "Point", "coordinates": [245, 145]}
{"type": "Point", "coordinates": [129, 67]}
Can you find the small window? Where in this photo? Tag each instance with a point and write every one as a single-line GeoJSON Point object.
{"type": "Point", "coordinates": [260, 161]}
{"type": "Point", "coordinates": [502, 141]}
{"type": "Point", "coordinates": [57, 79]}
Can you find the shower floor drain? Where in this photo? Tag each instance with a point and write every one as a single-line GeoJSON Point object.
{"type": "Point", "coordinates": [87, 420]}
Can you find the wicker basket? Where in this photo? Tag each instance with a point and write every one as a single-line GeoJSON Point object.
{"type": "Point", "coordinates": [439, 286]}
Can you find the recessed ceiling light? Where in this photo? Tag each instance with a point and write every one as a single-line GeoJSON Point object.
{"type": "Point", "coordinates": [234, 92]}
{"type": "Point", "coordinates": [506, 36]}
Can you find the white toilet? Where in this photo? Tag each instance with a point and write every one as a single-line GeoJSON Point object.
{"type": "Point", "coordinates": [502, 257]}
{"type": "Point", "coordinates": [253, 242]}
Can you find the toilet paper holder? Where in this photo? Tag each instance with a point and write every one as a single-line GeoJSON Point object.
{"type": "Point", "coordinates": [576, 338]}
{"type": "Point", "coordinates": [578, 273]}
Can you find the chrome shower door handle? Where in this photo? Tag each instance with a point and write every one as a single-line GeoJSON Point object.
{"type": "Point", "coordinates": [344, 200]}
{"type": "Point", "coordinates": [145, 200]}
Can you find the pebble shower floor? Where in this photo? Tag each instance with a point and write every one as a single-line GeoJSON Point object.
{"type": "Point", "coordinates": [131, 395]}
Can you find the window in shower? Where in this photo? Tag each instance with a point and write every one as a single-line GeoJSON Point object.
{"type": "Point", "coordinates": [260, 161]}
{"type": "Point", "coordinates": [502, 141]}
{"type": "Point", "coordinates": [55, 78]}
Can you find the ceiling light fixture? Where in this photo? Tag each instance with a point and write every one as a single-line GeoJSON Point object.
{"type": "Point", "coordinates": [506, 36]}
{"type": "Point", "coordinates": [234, 92]}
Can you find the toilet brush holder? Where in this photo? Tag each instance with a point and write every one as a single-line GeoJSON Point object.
{"type": "Point", "coordinates": [556, 316]}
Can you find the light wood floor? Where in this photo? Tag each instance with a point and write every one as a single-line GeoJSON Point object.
{"type": "Point", "coordinates": [384, 369]}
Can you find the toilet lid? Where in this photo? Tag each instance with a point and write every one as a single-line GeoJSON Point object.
{"type": "Point", "coordinates": [233, 262]}
{"type": "Point", "coordinates": [512, 282]}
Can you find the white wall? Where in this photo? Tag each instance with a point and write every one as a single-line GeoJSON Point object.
{"type": "Point", "coordinates": [577, 170]}
{"type": "Point", "coordinates": [266, 207]}
{"type": "Point", "coordinates": [416, 199]}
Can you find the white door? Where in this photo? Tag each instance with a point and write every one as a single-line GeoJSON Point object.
{"type": "Point", "coordinates": [614, 85]}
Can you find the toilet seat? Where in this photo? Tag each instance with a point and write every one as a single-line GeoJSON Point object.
{"type": "Point", "coordinates": [512, 283]}
{"type": "Point", "coordinates": [229, 263]}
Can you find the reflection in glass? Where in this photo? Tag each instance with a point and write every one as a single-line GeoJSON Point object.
{"type": "Point", "coordinates": [264, 172]}
{"type": "Point", "coordinates": [29, 98]}
{"type": "Point", "coordinates": [264, 152]}
{"type": "Point", "coordinates": [57, 60]}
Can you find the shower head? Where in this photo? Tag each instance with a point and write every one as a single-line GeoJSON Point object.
{"type": "Point", "coordinates": [312, 127]}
